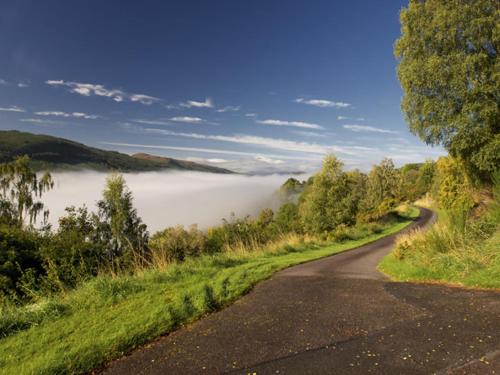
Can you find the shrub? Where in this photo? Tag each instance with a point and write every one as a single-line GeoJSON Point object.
{"type": "Point", "coordinates": [18, 255]}
{"type": "Point", "coordinates": [177, 243]}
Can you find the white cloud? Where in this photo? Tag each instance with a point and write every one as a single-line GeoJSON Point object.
{"type": "Point", "coordinates": [216, 161]}
{"type": "Point", "coordinates": [66, 114]}
{"type": "Point", "coordinates": [40, 121]}
{"type": "Point", "coordinates": [229, 109]}
{"type": "Point", "coordinates": [3, 82]}
{"type": "Point", "coordinates": [250, 114]}
{"type": "Point", "coordinates": [350, 118]}
{"type": "Point", "coordinates": [323, 103]}
{"type": "Point", "coordinates": [309, 134]}
{"type": "Point", "coordinates": [208, 161]}
{"type": "Point", "coordinates": [143, 99]}
{"type": "Point", "coordinates": [151, 122]}
{"type": "Point", "coordinates": [365, 128]}
{"type": "Point", "coordinates": [267, 160]}
{"type": "Point", "coordinates": [298, 124]}
{"type": "Point", "coordinates": [23, 85]}
{"type": "Point", "coordinates": [188, 119]}
{"type": "Point", "coordinates": [12, 108]}
{"type": "Point", "coordinates": [192, 103]}
{"type": "Point", "coordinates": [88, 89]}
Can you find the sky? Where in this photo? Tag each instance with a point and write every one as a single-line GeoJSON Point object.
{"type": "Point", "coordinates": [253, 86]}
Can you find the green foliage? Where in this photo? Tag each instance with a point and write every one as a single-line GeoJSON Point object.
{"type": "Point", "coordinates": [177, 243]}
{"type": "Point", "coordinates": [452, 188]}
{"type": "Point", "coordinates": [383, 191]}
{"type": "Point", "coordinates": [119, 227]}
{"type": "Point", "coordinates": [74, 252]}
{"type": "Point", "coordinates": [291, 189]}
{"type": "Point", "coordinates": [330, 201]}
{"type": "Point", "coordinates": [19, 189]}
{"type": "Point", "coordinates": [451, 77]}
{"type": "Point", "coordinates": [425, 178]}
{"type": "Point", "coordinates": [462, 247]}
{"type": "Point", "coordinates": [19, 257]}
{"type": "Point", "coordinates": [288, 219]}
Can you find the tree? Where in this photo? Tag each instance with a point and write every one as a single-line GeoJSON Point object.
{"type": "Point", "coordinates": [425, 178]}
{"type": "Point", "coordinates": [287, 218]}
{"type": "Point", "coordinates": [383, 189]}
{"type": "Point", "coordinates": [118, 223]}
{"type": "Point", "coordinates": [452, 188]}
{"type": "Point", "coordinates": [291, 189]}
{"type": "Point", "coordinates": [327, 201]}
{"type": "Point", "coordinates": [19, 189]}
{"type": "Point", "coordinates": [74, 252]}
{"type": "Point", "coordinates": [451, 77]}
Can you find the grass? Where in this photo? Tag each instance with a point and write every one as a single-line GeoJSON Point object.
{"type": "Point", "coordinates": [454, 250]}
{"type": "Point", "coordinates": [109, 316]}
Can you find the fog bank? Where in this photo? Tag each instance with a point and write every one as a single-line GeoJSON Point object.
{"type": "Point", "coordinates": [166, 199]}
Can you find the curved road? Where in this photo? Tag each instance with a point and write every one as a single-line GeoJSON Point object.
{"type": "Point", "coordinates": [336, 315]}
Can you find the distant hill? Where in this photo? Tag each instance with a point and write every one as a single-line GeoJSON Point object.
{"type": "Point", "coordinates": [47, 152]}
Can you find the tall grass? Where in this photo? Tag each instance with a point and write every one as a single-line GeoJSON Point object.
{"type": "Point", "coordinates": [103, 318]}
{"type": "Point", "coordinates": [461, 248]}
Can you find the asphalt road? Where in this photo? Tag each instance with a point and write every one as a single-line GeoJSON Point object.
{"type": "Point", "coordinates": [337, 315]}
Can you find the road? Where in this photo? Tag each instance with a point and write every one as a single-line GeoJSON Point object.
{"type": "Point", "coordinates": [336, 315]}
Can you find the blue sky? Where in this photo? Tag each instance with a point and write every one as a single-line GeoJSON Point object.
{"type": "Point", "coordinates": [253, 86]}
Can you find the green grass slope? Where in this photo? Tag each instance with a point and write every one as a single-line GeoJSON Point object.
{"type": "Point", "coordinates": [47, 152]}
{"type": "Point", "coordinates": [108, 316]}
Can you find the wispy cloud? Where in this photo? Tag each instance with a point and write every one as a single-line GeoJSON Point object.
{"type": "Point", "coordinates": [322, 103]}
{"type": "Point", "coordinates": [41, 121]}
{"type": "Point", "coordinates": [216, 160]}
{"type": "Point", "coordinates": [66, 114]}
{"type": "Point", "coordinates": [143, 99]}
{"type": "Point", "coordinates": [366, 128]}
{"type": "Point", "coordinates": [188, 119]}
{"type": "Point", "coordinates": [350, 118]}
{"type": "Point", "coordinates": [204, 150]}
{"type": "Point", "coordinates": [89, 89]}
{"type": "Point", "coordinates": [273, 143]}
{"type": "Point", "coordinates": [152, 122]}
{"type": "Point", "coordinates": [229, 108]}
{"type": "Point", "coordinates": [3, 82]}
{"type": "Point", "coordinates": [12, 108]}
{"type": "Point", "coordinates": [250, 114]}
{"type": "Point", "coordinates": [297, 124]}
{"type": "Point", "coordinates": [267, 160]}
{"type": "Point", "coordinates": [195, 104]}
{"type": "Point", "coordinates": [23, 84]}
{"type": "Point", "coordinates": [309, 134]}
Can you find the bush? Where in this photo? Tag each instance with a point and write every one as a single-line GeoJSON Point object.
{"type": "Point", "coordinates": [177, 243]}
{"type": "Point", "coordinates": [19, 255]}
{"type": "Point", "coordinates": [73, 253]}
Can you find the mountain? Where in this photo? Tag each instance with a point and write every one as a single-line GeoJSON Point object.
{"type": "Point", "coordinates": [48, 152]}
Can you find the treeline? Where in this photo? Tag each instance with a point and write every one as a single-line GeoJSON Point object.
{"type": "Point", "coordinates": [334, 204]}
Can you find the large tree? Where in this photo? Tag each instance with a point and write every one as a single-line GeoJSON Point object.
{"type": "Point", "coordinates": [451, 77]}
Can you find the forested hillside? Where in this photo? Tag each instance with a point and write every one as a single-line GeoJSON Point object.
{"type": "Point", "coordinates": [47, 152]}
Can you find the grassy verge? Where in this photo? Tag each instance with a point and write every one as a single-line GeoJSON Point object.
{"type": "Point", "coordinates": [451, 251]}
{"type": "Point", "coordinates": [109, 316]}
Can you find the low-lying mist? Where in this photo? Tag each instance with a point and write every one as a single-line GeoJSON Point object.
{"type": "Point", "coordinates": [166, 199]}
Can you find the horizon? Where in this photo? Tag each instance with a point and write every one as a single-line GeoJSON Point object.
{"type": "Point", "coordinates": [235, 86]}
